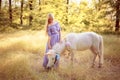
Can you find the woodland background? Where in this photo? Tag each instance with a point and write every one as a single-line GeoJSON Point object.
{"type": "Point", "coordinates": [86, 15]}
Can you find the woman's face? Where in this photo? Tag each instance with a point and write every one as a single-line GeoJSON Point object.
{"type": "Point", "coordinates": [50, 19]}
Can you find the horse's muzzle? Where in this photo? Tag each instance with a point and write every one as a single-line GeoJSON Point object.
{"type": "Point", "coordinates": [48, 68]}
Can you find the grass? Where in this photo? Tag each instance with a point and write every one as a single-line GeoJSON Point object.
{"type": "Point", "coordinates": [21, 57]}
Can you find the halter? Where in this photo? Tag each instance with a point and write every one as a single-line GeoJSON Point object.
{"type": "Point", "coordinates": [57, 57]}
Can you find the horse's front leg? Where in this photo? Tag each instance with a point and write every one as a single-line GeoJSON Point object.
{"type": "Point", "coordinates": [72, 56]}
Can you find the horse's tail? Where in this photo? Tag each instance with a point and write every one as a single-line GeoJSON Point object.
{"type": "Point", "coordinates": [101, 47]}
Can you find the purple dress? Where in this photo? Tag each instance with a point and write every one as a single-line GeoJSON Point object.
{"type": "Point", "coordinates": [54, 33]}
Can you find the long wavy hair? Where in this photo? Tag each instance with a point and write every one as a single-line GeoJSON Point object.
{"type": "Point", "coordinates": [47, 21]}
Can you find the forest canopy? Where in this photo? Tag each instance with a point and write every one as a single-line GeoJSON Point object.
{"type": "Point", "coordinates": [85, 15]}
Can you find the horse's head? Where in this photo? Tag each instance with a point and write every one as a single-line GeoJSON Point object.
{"type": "Point", "coordinates": [52, 58]}
{"type": "Point", "coordinates": [54, 53]}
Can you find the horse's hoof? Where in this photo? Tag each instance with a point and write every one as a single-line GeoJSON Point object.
{"type": "Point", "coordinates": [99, 66]}
{"type": "Point", "coordinates": [92, 66]}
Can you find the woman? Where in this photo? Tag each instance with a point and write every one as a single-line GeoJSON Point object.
{"type": "Point", "coordinates": [54, 35]}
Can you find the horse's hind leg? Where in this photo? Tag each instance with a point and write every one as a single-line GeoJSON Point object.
{"type": "Point", "coordinates": [96, 52]}
{"type": "Point", "coordinates": [93, 64]}
{"type": "Point", "coordinates": [100, 55]}
{"type": "Point", "coordinates": [94, 58]}
{"type": "Point", "coordinates": [100, 60]}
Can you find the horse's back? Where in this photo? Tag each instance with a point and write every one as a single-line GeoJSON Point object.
{"type": "Point", "coordinates": [82, 41]}
{"type": "Point", "coordinates": [82, 36]}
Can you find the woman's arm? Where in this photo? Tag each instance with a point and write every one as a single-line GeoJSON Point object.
{"type": "Point", "coordinates": [49, 39]}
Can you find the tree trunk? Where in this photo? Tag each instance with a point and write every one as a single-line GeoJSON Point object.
{"type": "Point", "coordinates": [0, 4]}
{"type": "Point", "coordinates": [39, 2]}
{"type": "Point", "coordinates": [10, 11]}
{"type": "Point", "coordinates": [21, 15]}
{"type": "Point", "coordinates": [117, 15]}
{"type": "Point", "coordinates": [67, 11]}
{"type": "Point", "coordinates": [99, 6]}
{"type": "Point", "coordinates": [31, 8]}
{"type": "Point", "coordinates": [15, 3]}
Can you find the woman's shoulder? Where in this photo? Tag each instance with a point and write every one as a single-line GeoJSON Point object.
{"type": "Point", "coordinates": [56, 22]}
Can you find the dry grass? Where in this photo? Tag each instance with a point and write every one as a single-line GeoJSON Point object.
{"type": "Point", "coordinates": [21, 56]}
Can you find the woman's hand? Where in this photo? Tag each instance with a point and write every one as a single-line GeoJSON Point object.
{"type": "Point", "coordinates": [60, 41]}
{"type": "Point", "coordinates": [49, 47]}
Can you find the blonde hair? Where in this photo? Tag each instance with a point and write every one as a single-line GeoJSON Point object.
{"type": "Point", "coordinates": [49, 15]}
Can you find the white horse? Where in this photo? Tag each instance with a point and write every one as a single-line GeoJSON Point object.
{"type": "Point", "coordinates": [80, 42]}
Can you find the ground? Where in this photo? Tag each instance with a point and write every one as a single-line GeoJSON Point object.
{"type": "Point", "coordinates": [21, 57]}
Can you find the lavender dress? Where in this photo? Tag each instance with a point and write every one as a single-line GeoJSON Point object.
{"type": "Point", "coordinates": [54, 33]}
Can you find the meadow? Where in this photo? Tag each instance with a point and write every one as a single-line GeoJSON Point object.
{"type": "Point", "coordinates": [21, 57]}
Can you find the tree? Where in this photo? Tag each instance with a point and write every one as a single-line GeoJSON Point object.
{"type": "Point", "coordinates": [117, 15]}
{"type": "Point", "coordinates": [10, 11]}
{"type": "Point", "coordinates": [67, 8]}
{"type": "Point", "coordinates": [115, 5]}
{"type": "Point", "coordinates": [39, 2]}
{"type": "Point", "coordinates": [0, 4]}
{"type": "Point", "coordinates": [31, 8]}
{"type": "Point", "coordinates": [21, 15]}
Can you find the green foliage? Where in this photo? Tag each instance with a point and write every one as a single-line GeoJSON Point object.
{"type": "Point", "coordinates": [81, 17]}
